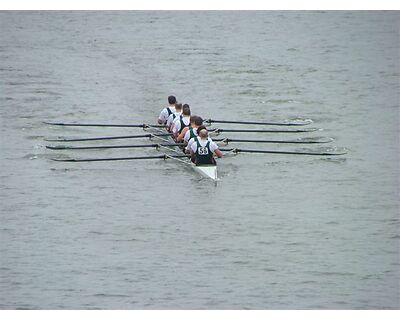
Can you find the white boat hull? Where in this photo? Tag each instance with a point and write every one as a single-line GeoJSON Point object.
{"type": "Point", "coordinates": [207, 171]}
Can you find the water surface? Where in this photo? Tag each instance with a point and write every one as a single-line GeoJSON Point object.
{"type": "Point", "coordinates": [277, 232]}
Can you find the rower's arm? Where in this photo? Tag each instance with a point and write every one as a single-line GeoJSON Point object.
{"type": "Point", "coordinates": [175, 129]}
{"type": "Point", "coordinates": [218, 153]}
{"type": "Point", "coordinates": [182, 135]}
{"type": "Point", "coordinates": [192, 156]}
{"type": "Point", "coordinates": [189, 146]}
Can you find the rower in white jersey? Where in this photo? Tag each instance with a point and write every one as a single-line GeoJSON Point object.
{"type": "Point", "coordinates": [203, 149]}
{"type": "Point", "coordinates": [182, 121]}
{"type": "Point", "coordinates": [191, 131]}
{"type": "Point", "coordinates": [192, 140]}
{"type": "Point", "coordinates": [167, 111]}
{"type": "Point", "coordinates": [173, 116]}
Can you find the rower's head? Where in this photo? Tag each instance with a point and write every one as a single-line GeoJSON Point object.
{"type": "Point", "coordinates": [196, 121]}
{"type": "Point", "coordinates": [186, 110]}
{"type": "Point", "coordinates": [202, 132]}
{"type": "Point", "coordinates": [171, 100]}
{"type": "Point", "coordinates": [192, 118]}
{"type": "Point", "coordinates": [178, 107]}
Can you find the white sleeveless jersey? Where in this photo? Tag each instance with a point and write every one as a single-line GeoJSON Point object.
{"type": "Point", "coordinates": [187, 135]}
{"type": "Point", "coordinates": [177, 124]}
{"type": "Point", "coordinates": [171, 118]}
{"type": "Point", "coordinates": [192, 141]}
{"type": "Point", "coordinates": [173, 123]}
{"type": "Point", "coordinates": [164, 114]}
{"type": "Point", "coordinates": [203, 143]}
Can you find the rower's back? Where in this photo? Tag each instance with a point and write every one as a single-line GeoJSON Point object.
{"type": "Point", "coordinates": [203, 148]}
{"type": "Point", "coordinates": [167, 111]}
{"type": "Point", "coordinates": [183, 121]}
{"type": "Point", "coordinates": [173, 116]}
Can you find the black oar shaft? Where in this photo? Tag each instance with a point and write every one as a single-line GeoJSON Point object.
{"type": "Point", "coordinates": [299, 141]}
{"type": "Point", "coordinates": [154, 145]}
{"type": "Point", "coordinates": [313, 153]}
{"type": "Point", "coordinates": [103, 125]}
{"type": "Point", "coordinates": [264, 131]}
{"type": "Point", "coordinates": [108, 138]}
{"type": "Point", "coordinates": [119, 159]}
{"type": "Point", "coordinates": [111, 159]}
{"type": "Point", "coordinates": [261, 123]}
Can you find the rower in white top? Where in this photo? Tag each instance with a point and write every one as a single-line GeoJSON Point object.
{"type": "Point", "coordinates": [190, 139]}
{"type": "Point", "coordinates": [203, 149]}
{"type": "Point", "coordinates": [173, 116]}
{"type": "Point", "coordinates": [182, 121]}
{"type": "Point", "coordinates": [167, 111]}
{"type": "Point", "coordinates": [191, 131]}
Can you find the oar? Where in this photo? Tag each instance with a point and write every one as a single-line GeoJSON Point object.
{"type": "Point", "coordinates": [286, 123]}
{"type": "Point", "coordinates": [164, 156]}
{"type": "Point", "coordinates": [104, 125]}
{"type": "Point", "coordinates": [264, 131]}
{"type": "Point", "coordinates": [313, 153]}
{"type": "Point", "coordinates": [154, 145]}
{"type": "Point", "coordinates": [297, 141]}
{"type": "Point", "coordinates": [148, 135]}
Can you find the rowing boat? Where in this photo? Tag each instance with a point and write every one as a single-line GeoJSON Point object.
{"type": "Point", "coordinates": [208, 171]}
{"type": "Point", "coordinates": [174, 151]}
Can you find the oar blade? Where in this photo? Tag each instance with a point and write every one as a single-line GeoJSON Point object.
{"type": "Point", "coordinates": [316, 140]}
{"type": "Point", "coordinates": [56, 147]}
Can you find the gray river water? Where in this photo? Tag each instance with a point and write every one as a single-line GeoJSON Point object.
{"type": "Point", "coordinates": [277, 232]}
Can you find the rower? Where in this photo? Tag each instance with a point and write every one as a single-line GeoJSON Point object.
{"type": "Point", "coordinates": [192, 139]}
{"type": "Point", "coordinates": [182, 121]}
{"type": "Point", "coordinates": [191, 131]}
{"type": "Point", "coordinates": [203, 149]}
{"type": "Point", "coordinates": [167, 111]}
{"type": "Point", "coordinates": [173, 116]}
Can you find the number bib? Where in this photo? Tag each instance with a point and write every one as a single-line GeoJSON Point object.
{"type": "Point", "coordinates": [204, 156]}
{"type": "Point", "coordinates": [203, 151]}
